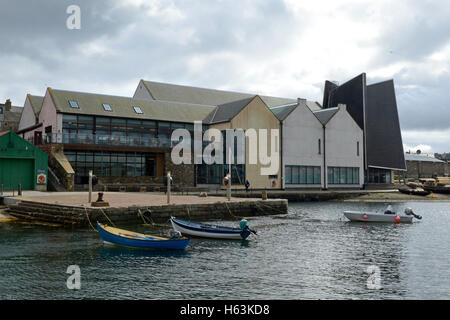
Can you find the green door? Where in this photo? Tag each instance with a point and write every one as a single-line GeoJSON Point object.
{"type": "Point", "coordinates": [15, 171]}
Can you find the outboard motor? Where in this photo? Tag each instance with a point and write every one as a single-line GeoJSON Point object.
{"type": "Point", "coordinates": [389, 210]}
{"type": "Point", "coordinates": [244, 226]}
{"type": "Point", "coordinates": [409, 212]}
{"type": "Point", "coordinates": [174, 234]}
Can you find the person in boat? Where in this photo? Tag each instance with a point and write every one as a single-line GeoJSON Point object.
{"type": "Point", "coordinates": [247, 185]}
{"type": "Point", "coordinates": [389, 210]}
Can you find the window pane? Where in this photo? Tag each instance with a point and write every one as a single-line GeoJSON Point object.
{"type": "Point", "coordinates": [288, 174]}
{"type": "Point", "coordinates": [302, 175]}
{"type": "Point", "coordinates": [343, 177]}
{"type": "Point", "coordinates": [349, 175]}
{"type": "Point", "coordinates": [295, 174]}
{"type": "Point", "coordinates": [356, 175]}
{"type": "Point", "coordinates": [309, 175]}
{"type": "Point", "coordinates": [316, 175]}
{"type": "Point", "coordinates": [137, 110]}
{"type": "Point", "coordinates": [73, 104]}
{"type": "Point", "coordinates": [336, 179]}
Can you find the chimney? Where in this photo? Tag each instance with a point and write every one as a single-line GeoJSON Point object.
{"type": "Point", "coordinates": [8, 105]}
{"type": "Point", "coordinates": [342, 106]}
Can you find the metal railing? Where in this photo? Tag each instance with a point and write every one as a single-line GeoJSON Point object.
{"type": "Point", "coordinates": [110, 140]}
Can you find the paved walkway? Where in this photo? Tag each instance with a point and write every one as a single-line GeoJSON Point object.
{"type": "Point", "coordinates": [120, 199]}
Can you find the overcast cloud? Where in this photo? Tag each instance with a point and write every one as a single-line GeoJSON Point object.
{"type": "Point", "coordinates": [283, 48]}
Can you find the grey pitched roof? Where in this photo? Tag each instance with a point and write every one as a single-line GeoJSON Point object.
{"type": "Point", "coordinates": [204, 96]}
{"type": "Point", "coordinates": [281, 112]}
{"type": "Point", "coordinates": [227, 111]}
{"type": "Point", "coordinates": [419, 157]}
{"type": "Point", "coordinates": [91, 104]}
{"type": "Point", "coordinates": [36, 103]}
{"type": "Point", "coordinates": [325, 115]}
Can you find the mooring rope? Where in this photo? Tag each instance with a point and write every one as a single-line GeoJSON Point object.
{"type": "Point", "coordinates": [87, 216]}
{"type": "Point", "coordinates": [146, 222]}
{"type": "Point", "coordinates": [271, 208]}
{"type": "Point", "coordinates": [187, 209]}
{"type": "Point", "coordinates": [231, 214]}
{"type": "Point", "coordinates": [107, 217]}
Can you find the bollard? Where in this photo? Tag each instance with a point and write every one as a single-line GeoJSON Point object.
{"type": "Point", "coordinates": [169, 180]}
{"type": "Point", "coordinates": [228, 177]}
{"type": "Point", "coordinates": [90, 186]}
{"type": "Point", "coordinates": [19, 190]}
{"type": "Point", "coordinates": [264, 194]}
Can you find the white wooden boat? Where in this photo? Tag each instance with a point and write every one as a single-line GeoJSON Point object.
{"type": "Point", "coordinates": [387, 216]}
{"type": "Point", "coordinates": [203, 230]}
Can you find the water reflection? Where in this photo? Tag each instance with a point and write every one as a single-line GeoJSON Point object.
{"type": "Point", "coordinates": [312, 252]}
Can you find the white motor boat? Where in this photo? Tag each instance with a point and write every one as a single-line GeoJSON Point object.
{"type": "Point", "coordinates": [386, 216]}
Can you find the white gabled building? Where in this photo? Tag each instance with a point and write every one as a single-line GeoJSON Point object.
{"type": "Point", "coordinates": [343, 154]}
{"type": "Point", "coordinates": [321, 148]}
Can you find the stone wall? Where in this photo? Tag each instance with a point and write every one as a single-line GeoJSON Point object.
{"type": "Point", "coordinates": [422, 169]}
{"type": "Point", "coordinates": [76, 216]}
{"type": "Point", "coordinates": [183, 175]}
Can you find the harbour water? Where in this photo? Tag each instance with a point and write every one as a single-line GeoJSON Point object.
{"type": "Point", "coordinates": [313, 252]}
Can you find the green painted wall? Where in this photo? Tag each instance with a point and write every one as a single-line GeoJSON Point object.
{"type": "Point", "coordinates": [21, 162]}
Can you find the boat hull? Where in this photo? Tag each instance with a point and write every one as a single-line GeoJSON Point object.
{"type": "Point", "coordinates": [376, 217]}
{"type": "Point", "coordinates": [201, 230]}
{"type": "Point", "coordinates": [415, 192]}
{"type": "Point", "coordinates": [124, 238]}
{"type": "Point", "coordinates": [445, 190]}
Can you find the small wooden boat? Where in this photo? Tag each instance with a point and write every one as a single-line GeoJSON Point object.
{"type": "Point", "coordinates": [204, 230]}
{"type": "Point", "coordinates": [387, 216]}
{"type": "Point", "coordinates": [131, 239]}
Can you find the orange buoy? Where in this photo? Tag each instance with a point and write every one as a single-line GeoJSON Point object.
{"type": "Point", "coordinates": [397, 218]}
{"type": "Point", "coordinates": [365, 216]}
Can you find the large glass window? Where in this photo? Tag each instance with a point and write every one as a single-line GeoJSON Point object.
{"type": "Point", "coordinates": [302, 175]}
{"type": "Point", "coordinates": [105, 163]}
{"type": "Point", "coordinates": [382, 176]}
{"type": "Point", "coordinates": [343, 175]}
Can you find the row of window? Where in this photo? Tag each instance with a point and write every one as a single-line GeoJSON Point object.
{"type": "Point", "coordinates": [378, 176]}
{"type": "Point", "coordinates": [106, 107]}
{"type": "Point", "coordinates": [106, 126]}
{"type": "Point", "coordinates": [214, 173]}
{"type": "Point", "coordinates": [343, 175]}
{"type": "Point", "coordinates": [114, 164]}
{"type": "Point", "coordinates": [302, 175]}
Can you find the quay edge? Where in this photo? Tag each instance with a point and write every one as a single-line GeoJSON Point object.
{"type": "Point", "coordinates": [82, 216]}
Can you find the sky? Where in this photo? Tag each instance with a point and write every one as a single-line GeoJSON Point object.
{"type": "Point", "coordinates": [281, 48]}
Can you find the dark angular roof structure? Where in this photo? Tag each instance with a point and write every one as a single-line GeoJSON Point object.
{"type": "Point", "coordinates": [383, 136]}
{"type": "Point", "coordinates": [374, 108]}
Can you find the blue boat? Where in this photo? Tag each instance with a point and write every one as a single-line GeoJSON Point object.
{"type": "Point", "coordinates": [131, 239]}
{"type": "Point", "coordinates": [203, 230]}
